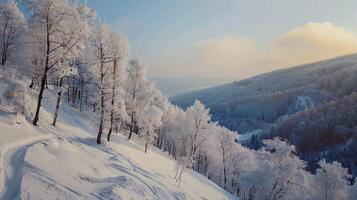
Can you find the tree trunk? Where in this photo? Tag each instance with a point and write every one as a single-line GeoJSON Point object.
{"type": "Point", "coordinates": [74, 93]}
{"type": "Point", "coordinates": [59, 95]}
{"type": "Point", "coordinates": [3, 58]}
{"type": "Point", "coordinates": [224, 175]}
{"type": "Point", "coordinates": [80, 99]}
{"type": "Point", "coordinates": [131, 125]}
{"type": "Point", "coordinates": [113, 101]}
{"type": "Point", "coordinates": [5, 47]}
{"type": "Point", "coordinates": [130, 132]}
{"type": "Point", "coordinates": [146, 146]}
{"type": "Point", "coordinates": [102, 106]}
{"type": "Point", "coordinates": [39, 99]}
{"type": "Point", "coordinates": [224, 167]}
{"type": "Point", "coordinates": [44, 76]}
{"type": "Point", "coordinates": [86, 97]}
{"type": "Point", "coordinates": [117, 128]}
{"type": "Point", "coordinates": [58, 104]}
{"type": "Point", "coordinates": [68, 91]}
{"type": "Point", "coordinates": [109, 134]}
{"type": "Point", "coordinates": [100, 131]}
{"type": "Point", "coordinates": [178, 180]}
{"type": "Point", "coordinates": [101, 123]}
{"type": "Point", "coordinates": [197, 166]}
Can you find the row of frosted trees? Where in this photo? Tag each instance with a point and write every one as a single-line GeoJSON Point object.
{"type": "Point", "coordinates": [61, 46]}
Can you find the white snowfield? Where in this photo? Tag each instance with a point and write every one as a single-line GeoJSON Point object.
{"type": "Point", "coordinates": [65, 163]}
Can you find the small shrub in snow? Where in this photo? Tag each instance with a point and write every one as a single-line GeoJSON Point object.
{"type": "Point", "coordinates": [18, 96]}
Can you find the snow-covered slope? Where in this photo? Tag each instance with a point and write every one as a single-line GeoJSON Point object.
{"type": "Point", "coordinates": [65, 163]}
{"type": "Point", "coordinates": [313, 106]}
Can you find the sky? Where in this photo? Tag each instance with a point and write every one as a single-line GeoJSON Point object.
{"type": "Point", "coordinates": [231, 39]}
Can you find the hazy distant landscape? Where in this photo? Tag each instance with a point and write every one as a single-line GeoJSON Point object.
{"type": "Point", "coordinates": [172, 87]}
{"type": "Point", "coordinates": [314, 106]}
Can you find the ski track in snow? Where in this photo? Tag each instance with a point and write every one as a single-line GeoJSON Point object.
{"type": "Point", "coordinates": [12, 163]}
{"type": "Point", "coordinates": [19, 176]}
{"type": "Point", "coordinates": [158, 190]}
{"type": "Point", "coordinates": [131, 177]}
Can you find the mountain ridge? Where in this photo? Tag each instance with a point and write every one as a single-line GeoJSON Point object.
{"type": "Point", "coordinates": [348, 56]}
{"type": "Point", "coordinates": [270, 84]}
{"type": "Point", "coordinates": [313, 106]}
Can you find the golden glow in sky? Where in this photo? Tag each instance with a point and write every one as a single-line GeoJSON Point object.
{"type": "Point", "coordinates": [242, 57]}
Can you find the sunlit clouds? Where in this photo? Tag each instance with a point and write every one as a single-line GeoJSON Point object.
{"type": "Point", "coordinates": [243, 56]}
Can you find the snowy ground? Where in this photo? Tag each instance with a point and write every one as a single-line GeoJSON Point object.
{"type": "Point", "coordinates": [247, 136]}
{"type": "Point", "coordinates": [66, 163]}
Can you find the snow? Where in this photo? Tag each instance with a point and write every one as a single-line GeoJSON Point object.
{"type": "Point", "coordinates": [303, 103]}
{"type": "Point", "coordinates": [13, 159]}
{"type": "Point", "coordinates": [66, 163]}
{"type": "Point", "coordinates": [248, 135]}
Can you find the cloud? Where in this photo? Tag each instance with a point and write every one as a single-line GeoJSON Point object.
{"type": "Point", "coordinates": [241, 57]}
{"type": "Point", "coordinates": [312, 42]}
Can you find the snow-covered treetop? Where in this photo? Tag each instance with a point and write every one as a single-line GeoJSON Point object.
{"type": "Point", "coordinates": [65, 27]}
{"type": "Point", "coordinates": [199, 115]}
{"type": "Point", "coordinates": [12, 32]}
{"type": "Point", "coordinates": [151, 116]}
{"type": "Point", "coordinates": [119, 45]}
{"type": "Point", "coordinates": [137, 70]}
{"type": "Point", "coordinates": [11, 13]}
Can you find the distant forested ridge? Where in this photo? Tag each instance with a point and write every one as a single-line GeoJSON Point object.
{"type": "Point", "coordinates": [313, 105]}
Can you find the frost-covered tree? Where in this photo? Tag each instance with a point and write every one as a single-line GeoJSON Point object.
{"type": "Point", "coordinates": [12, 27]}
{"type": "Point", "coordinates": [101, 50]}
{"type": "Point", "coordinates": [182, 163]}
{"type": "Point", "coordinates": [110, 51]}
{"type": "Point", "coordinates": [276, 173]}
{"type": "Point", "coordinates": [148, 122]}
{"type": "Point", "coordinates": [163, 103]}
{"type": "Point", "coordinates": [58, 33]}
{"type": "Point", "coordinates": [139, 93]}
{"type": "Point", "coordinates": [191, 133]}
{"type": "Point", "coordinates": [226, 150]}
{"type": "Point", "coordinates": [84, 82]}
{"type": "Point", "coordinates": [172, 131]}
{"type": "Point", "coordinates": [66, 71]}
{"type": "Point", "coordinates": [331, 181]}
{"type": "Point", "coordinates": [197, 120]}
{"type": "Point", "coordinates": [118, 49]}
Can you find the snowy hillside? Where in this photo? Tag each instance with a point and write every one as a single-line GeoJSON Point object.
{"type": "Point", "coordinates": [313, 106]}
{"type": "Point", "coordinates": [258, 102]}
{"type": "Point", "coordinates": [66, 163]}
